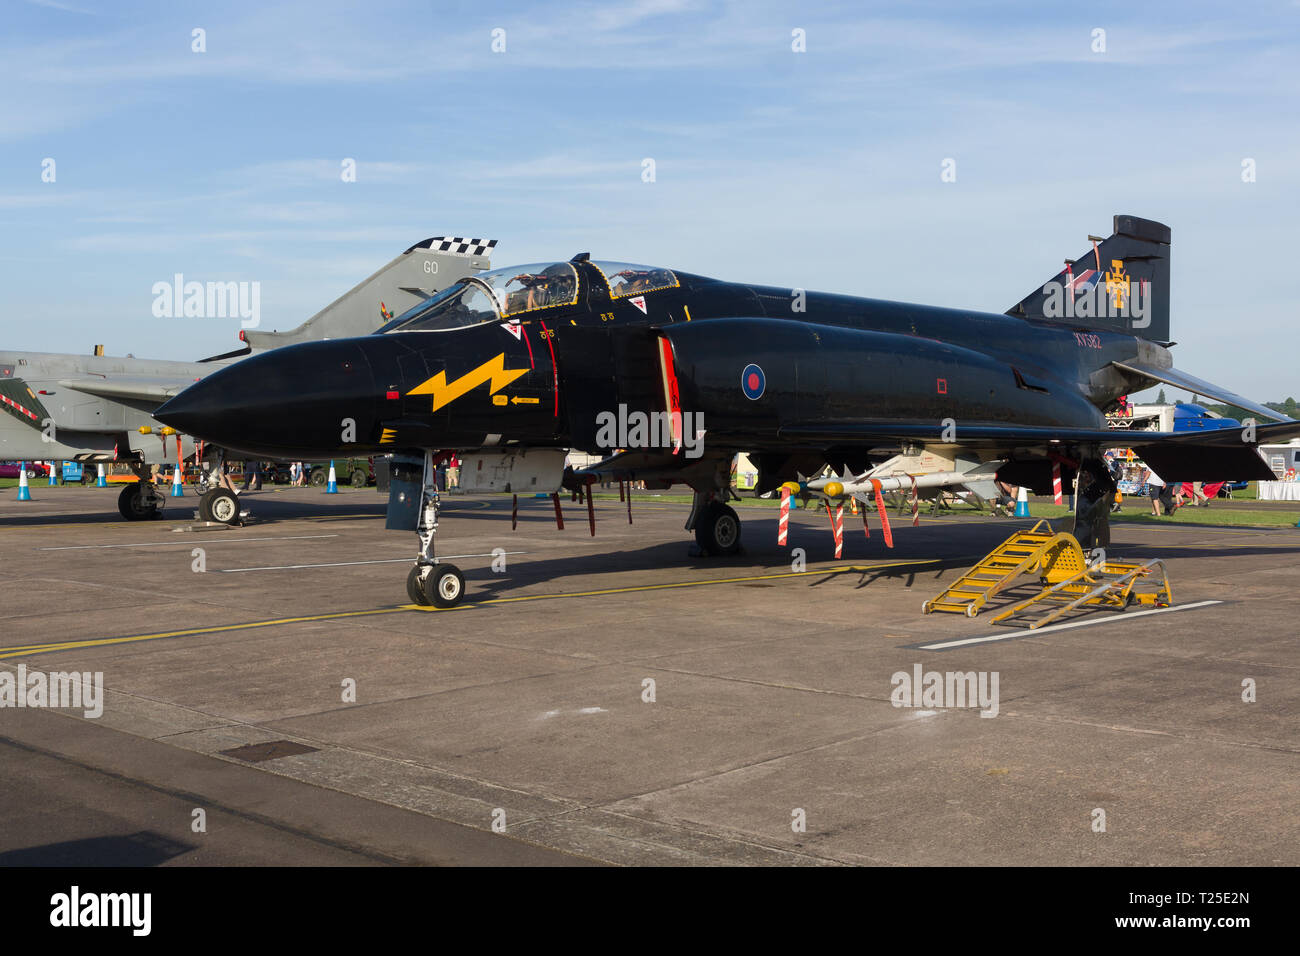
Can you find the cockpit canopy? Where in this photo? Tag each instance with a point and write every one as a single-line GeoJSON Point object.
{"type": "Point", "coordinates": [522, 289]}
{"type": "Point", "coordinates": [626, 279]}
{"type": "Point", "coordinates": [515, 291]}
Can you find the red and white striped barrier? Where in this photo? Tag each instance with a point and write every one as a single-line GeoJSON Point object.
{"type": "Point", "coordinates": [837, 527]}
{"type": "Point", "coordinates": [1056, 482]}
{"type": "Point", "coordinates": [916, 512]}
{"type": "Point", "coordinates": [783, 523]}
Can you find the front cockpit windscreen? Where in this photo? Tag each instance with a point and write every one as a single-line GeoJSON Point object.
{"type": "Point", "coordinates": [491, 296]}
{"type": "Point", "coordinates": [455, 307]}
{"type": "Point", "coordinates": [544, 285]}
{"type": "Point", "coordinates": [625, 279]}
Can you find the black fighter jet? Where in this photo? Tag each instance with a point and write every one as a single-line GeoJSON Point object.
{"type": "Point", "coordinates": [668, 375]}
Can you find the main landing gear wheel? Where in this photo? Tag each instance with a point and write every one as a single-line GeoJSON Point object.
{"type": "Point", "coordinates": [137, 504]}
{"type": "Point", "coordinates": [220, 505]}
{"type": "Point", "coordinates": [717, 531]}
{"type": "Point", "coordinates": [439, 585]}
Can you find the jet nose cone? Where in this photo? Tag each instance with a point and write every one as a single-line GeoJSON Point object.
{"type": "Point", "coordinates": [188, 412]}
{"type": "Point", "coordinates": [289, 402]}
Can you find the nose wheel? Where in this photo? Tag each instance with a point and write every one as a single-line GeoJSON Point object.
{"type": "Point", "coordinates": [219, 504]}
{"type": "Point", "coordinates": [431, 583]}
{"type": "Point", "coordinates": [438, 585]}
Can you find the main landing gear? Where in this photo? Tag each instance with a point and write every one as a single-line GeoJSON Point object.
{"type": "Point", "coordinates": [716, 524]}
{"type": "Point", "coordinates": [140, 501]}
{"type": "Point", "coordinates": [431, 583]}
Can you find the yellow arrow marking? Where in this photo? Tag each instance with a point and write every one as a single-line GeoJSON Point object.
{"type": "Point", "coordinates": [444, 393]}
{"type": "Point", "coordinates": [520, 400]}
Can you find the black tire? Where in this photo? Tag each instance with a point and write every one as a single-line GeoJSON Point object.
{"type": "Point", "coordinates": [87, 478]}
{"type": "Point", "coordinates": [205, 502]}
{"type": "Point", "coordinates": [130, 503]}
{"type": "Point", "coordinates": [223, 506]}
{"type": "Point", "coordinates": [415, 586]}
{"type": "Point", "coordinates": [717, 530]}
{"type": "Point", "coordinates": [358, 478]}
{"type": "Point", "coordinates": [318, 477]}
{"type": "Point", "coordinates": [445, 585]}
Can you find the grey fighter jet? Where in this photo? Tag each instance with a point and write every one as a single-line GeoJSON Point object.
{"type": "Point", "coordinates": [97, 408]}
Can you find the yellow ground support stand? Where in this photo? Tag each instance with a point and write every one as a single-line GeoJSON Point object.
{"type": "Point", "coordinates": [1068, 582]}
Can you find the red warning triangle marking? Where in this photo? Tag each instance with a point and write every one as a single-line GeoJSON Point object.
{"type": "Point", "coordinates": [639, 302]}
{"type": "Point", "coordinates": [514, 328]}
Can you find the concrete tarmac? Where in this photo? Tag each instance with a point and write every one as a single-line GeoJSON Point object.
{"type": "Point", "coordinates": [616, 700]}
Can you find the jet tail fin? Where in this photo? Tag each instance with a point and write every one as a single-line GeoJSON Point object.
{"type": "Point", "coordinates": [425, 268]}
{"type": "Point", "coordinates": [1121, 284]}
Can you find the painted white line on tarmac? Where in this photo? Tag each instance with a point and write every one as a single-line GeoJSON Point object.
{"type": "Point", "coordinates": [1025, 632]}
{"type": "Point", "coordinates": [349, 564]}
{"type": "Point", "coordinates": [185, 544]}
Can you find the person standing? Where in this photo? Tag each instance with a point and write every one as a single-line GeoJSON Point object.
{"type": "Point", "coordinates": [1155, 488]}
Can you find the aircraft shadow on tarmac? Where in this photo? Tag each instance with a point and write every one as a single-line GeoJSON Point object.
{"type": "Point", "coordinates": [672, 563]}
{"type": "Point", "coordinates": [144, 848]}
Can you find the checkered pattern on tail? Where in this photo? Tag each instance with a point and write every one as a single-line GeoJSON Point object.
{"type": "Point", "coordinates": [458, 246]}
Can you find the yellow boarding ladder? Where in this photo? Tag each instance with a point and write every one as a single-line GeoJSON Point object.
{"type": "Point", "coordinates": [1068, 581]}
{"type": "Point", "coordinates": [1023, 552]}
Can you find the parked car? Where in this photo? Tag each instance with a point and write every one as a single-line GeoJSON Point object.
{"type": "Point", "coordinates": [357, 472]}
{"type": "Point", "coordinates": [9, 469]}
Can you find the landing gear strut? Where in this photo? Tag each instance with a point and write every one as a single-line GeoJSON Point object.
{"type": "Point", "coordinates": [429, 582]}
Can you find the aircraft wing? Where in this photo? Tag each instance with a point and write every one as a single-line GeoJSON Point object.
{"type": "Point", "coordinates": [1184, 456]}
{"type": "Point", "coordinates": [153, 391]}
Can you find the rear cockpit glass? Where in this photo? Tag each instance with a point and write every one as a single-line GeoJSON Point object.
{"type": "Point", "coordinates": [466, 303]}
{"type": "Point", "coordinates": [625, 279]}
{"type": "Point", "coordinates": [543, 285]}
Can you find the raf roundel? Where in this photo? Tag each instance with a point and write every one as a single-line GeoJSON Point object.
{"type": "Point", "coordinates": [753, 381]}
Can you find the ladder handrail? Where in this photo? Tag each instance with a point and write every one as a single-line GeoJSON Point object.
{"type": "Point", "coordinates": [1117, 582]}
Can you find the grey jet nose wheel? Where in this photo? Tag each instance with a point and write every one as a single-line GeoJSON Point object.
{"type": "Point", "coordinates": [718, 530]}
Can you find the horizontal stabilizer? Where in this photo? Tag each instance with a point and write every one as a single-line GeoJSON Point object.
{"type": "Point", "coordinates": [1171, 376]}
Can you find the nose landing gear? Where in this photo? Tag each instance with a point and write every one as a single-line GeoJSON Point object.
{"type": "Point", "coordinates": [430, 583]}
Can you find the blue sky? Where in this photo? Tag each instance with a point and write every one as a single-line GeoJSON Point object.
{"type": "Point", "coordinates": [818, 169]}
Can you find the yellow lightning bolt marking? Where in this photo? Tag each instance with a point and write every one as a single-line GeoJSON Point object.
{"type": "Point", "coordinates": [444, 392]}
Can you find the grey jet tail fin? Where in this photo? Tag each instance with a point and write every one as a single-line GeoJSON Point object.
{"type": "Point", "coordinates": [423, 269]}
